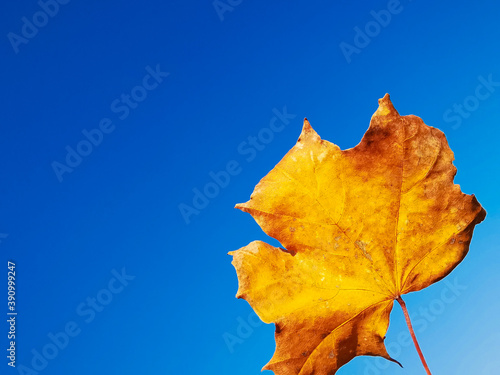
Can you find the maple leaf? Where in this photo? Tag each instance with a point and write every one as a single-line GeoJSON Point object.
{"type": "Point", "coordinates": [360, 227]}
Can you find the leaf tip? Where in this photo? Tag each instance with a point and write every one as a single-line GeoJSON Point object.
{"type": "Point", "coordinates": [385, 107]}
{"type": "Point", "coordinates": [241, 295]}
{"type": "Point", "coordinates": [240, 206]}
{"type": "Point", "coordinates": [307, 125]}
{"type": "Point", "coordinates": [308, 133]}
{"type": "Point", "coordinates": [395, 361]}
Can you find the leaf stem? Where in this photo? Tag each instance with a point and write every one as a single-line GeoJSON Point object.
{"type": "Point", "coordinates": [412, 333]}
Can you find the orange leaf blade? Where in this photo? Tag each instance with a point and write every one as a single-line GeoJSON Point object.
{"type": "Point", "coordinates": [361, 227]}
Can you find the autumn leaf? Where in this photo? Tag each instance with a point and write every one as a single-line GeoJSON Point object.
{"type": "Point", "coordinates": [360, 227]}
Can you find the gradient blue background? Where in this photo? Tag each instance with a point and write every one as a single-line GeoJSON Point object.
{"type": "Point", "coordinates": [119, 207]}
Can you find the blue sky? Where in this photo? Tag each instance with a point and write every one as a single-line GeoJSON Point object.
{"type": "Point", "coordinates": [114, 113]}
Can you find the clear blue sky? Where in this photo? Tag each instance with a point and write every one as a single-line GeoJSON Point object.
{"type": "Point", "coordinates": [113, 112]}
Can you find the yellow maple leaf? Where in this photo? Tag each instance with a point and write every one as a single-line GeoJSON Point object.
{"type": "Point", "coordinates": [361, 227]}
